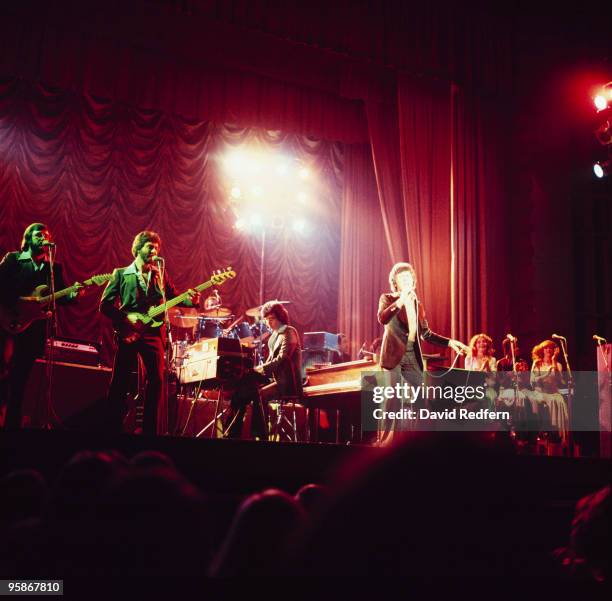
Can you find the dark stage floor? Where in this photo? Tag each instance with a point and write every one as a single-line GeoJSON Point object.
{"type": "Point", "coordinates": [240, 466]}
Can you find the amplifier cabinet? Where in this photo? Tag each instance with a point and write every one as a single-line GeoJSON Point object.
{"type": "Point", "coordinates": [78, 396]}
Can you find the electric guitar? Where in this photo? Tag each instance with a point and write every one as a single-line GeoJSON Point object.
{"type": "Point", "coordinates": [35, 306]}
{"type": "Point", "coordinates": [130, 331]}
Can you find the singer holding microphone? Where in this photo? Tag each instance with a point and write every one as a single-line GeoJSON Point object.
{"type": "Point", "coordinates": [403, 316]}
{"type": "Point", "coordinates": [20, 273]}
{"type": "Point", "coordinates": [133, 290]}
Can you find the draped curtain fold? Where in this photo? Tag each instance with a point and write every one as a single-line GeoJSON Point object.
{"type": "Point", "coordinates": [97, 172]}
{"type": "Point", "coordinates": [424, 126]}
{"type": "Point", "coordinates": [481, 224]}
{"type": "Point", "coordinates": [432, 220]}
{"type": "Point", "coordinates": [364, 257]}
{"type": "Point", "coordinates": [411, 154]}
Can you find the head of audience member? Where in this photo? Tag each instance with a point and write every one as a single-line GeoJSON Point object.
{"type": "Point", "coordinates": [260, 532]}
{"type": "Point", "coordinates": [312, 497]}
{"type": "Point", "coordinates": [588, 551]}
{"type": "Point", "coordinates": [22, 496]}
{"type": "Point", "coordinates": [151, 459]}
{"type": "Point", "coordinates": [81, 482]}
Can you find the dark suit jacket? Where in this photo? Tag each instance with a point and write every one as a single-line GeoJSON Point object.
{"type": "Point", "coordinates": [19, 278]}
{"type": "Point", "coordinates": [123, 295]}
{"type": "Point", "coordinates": [285, 363]}
{"type": "Point", "coordinates": [396, 331]}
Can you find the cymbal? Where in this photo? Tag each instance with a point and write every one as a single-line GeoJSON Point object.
{"type": "Point", "coordinates": [183, 317]}
{"type": "Point", "coordinates": [217, 312]}
{"type": "Point", "coordinates": [256, 311]}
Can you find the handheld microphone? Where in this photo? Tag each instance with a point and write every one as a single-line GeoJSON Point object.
{"type": "Point", "coordinates": [49, 244]}
{"type": "Point", "coordinates": [511, 338]}
{"type": "Point", "coordinates": [158, 259]}
{"type": "Point", "coordinates": [599, 338]}
{"type": "Point", "coordinates": [558, 337]}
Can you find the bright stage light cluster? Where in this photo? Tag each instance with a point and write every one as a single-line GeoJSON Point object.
{"type": "Point", "coordinates": [267, 189]}
{"type": "Point", "coordinates": [603, 97]}
{"type": "Point", "coordinates": [603, 129]}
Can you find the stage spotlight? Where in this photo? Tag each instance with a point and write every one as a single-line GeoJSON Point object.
{"type": "Point", "coordinates": [257, 191]}
{"type": "Point", "coordinates": [299, 226]}
{"type": "Point", "coordinates": [278, 222]}
{"type": "Point", "coordinates": [282, 168]}
{"type": "Point", "coordinates": [234, 162]}
{"type": "Point", "coordinates": [240, 224]}
{"type": "Point", "coordinates": [236, 192]}
{"type": "Point", "coordinates": [253, 166]}
{"type": "Point", "coordinates": [302, 197]}
{"type": "Point", "coordinates": [304, 173]}
{"type": "Point", "coordinates": [602, 168]}
{"type": "Point", "coordinates": [603, 98]}
{"type": "Point", "coordinates": [601, 102]}
{"type": "Point", "coordinates": [256, 220]}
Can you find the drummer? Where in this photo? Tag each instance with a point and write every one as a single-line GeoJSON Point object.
{"type": "Point", "coordinates": [213, 301]}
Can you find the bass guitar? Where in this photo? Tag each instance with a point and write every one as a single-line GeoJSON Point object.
{"type": "Point", "coordinates": [17, 319]}
{"type": "Point", "coordinates": [135, 325]}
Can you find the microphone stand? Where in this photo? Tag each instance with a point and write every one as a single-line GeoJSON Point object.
{"type": "Point", "coordinates": [570, 396]}
{"type": "Point", "coordinates": [609, 378]}
{"type": "Point", "coordinates": [605, 359]}
{"type": "Point", "coordinates": [168, 355]}
{"type": "Point", "coordinates": [514, 372]}
{"type": "Point", "coordinates": [51, 333]}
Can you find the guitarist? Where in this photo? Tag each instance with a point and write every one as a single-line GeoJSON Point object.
{"type": "Point", "coordinates": [20, 273]}
{"type": "Point", "coordinates": [134, 290]}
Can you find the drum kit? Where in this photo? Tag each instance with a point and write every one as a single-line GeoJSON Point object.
{"type": "Point", "coordinates": [190, 325]}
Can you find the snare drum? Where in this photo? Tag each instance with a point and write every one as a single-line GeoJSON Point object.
{"type": "Point", "coordinates": [209, 328]}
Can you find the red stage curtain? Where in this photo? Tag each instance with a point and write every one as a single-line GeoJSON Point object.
{"type": "Point", "coordinates": [482, 228]}
{"type": "Point", "coordinates": [424, 111]}
{"type": "Point", "coordinates": [364, 259]}
{"type": "Point", "coordinates": [97, 172]}
{"type": "Point", "coordinates": [208, 72]}
{"type": "Point", "coordinates": [413, 174]}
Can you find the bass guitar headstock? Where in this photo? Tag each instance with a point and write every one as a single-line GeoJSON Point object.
{"type": "Point", "coordinates": [218, 276]}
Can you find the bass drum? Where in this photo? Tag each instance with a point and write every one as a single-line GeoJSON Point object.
{"type": "Point", "coordinates": [209, 328]}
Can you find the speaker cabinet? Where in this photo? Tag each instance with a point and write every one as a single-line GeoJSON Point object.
{"type": "Point", "coordinates": [78, 396]}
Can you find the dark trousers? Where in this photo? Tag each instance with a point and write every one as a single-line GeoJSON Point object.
{"type": "Point", "coordinates": [246, 391]}
{"type": "Point", "coordinates": [26, 348]}
{"type": "Point", "coordinates": [150, 348]}
{"type": "Point", "coordinates": [408, 371]}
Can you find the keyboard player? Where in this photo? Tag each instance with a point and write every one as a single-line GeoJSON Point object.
{"type": "Point", "coordinates": [282, 370]}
